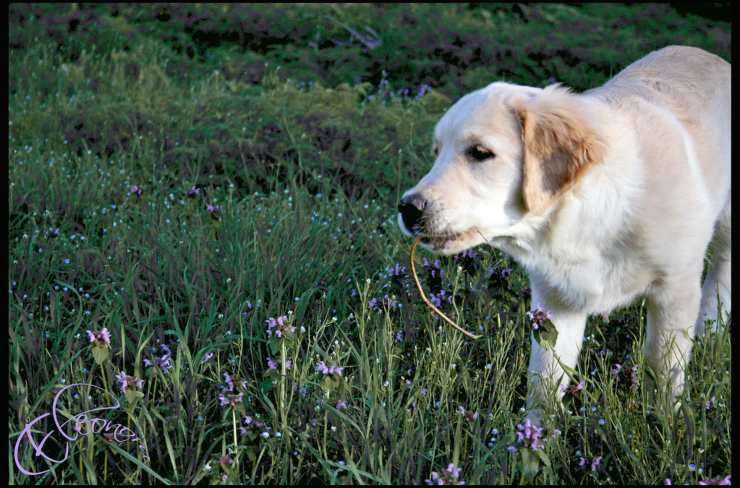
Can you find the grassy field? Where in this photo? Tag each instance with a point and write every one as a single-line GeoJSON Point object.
{"type": "Point", "coordinates": [216, 186]}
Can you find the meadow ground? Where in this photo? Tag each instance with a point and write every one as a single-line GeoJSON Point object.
{"type": "Point", "coordinates": [216, 186]}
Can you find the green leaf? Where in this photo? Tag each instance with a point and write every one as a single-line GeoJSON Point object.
{"type": "Point", "coordinates": [133, 396]}
{"type": "Point", "coordinates": [543, 457]}
{"type": "Point", "coordinates": [546, 335]}
{"type": "Point", "coordinates": [138, 463]}
{"type": "Point", "coordinates": [530, 464]}
{"type": "Point", "coordinates": [100, 354]}
{"type": "Point", "coordinates": [266, 386]}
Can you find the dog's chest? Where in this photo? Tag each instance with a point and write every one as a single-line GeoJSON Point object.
{"type": "Point", "coordinates": [594, 282]}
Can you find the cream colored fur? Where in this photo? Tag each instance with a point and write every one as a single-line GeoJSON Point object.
{"type": "Point", "coordinates": [603, 197]}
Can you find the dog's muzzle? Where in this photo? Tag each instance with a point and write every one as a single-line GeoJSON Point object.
{"type": "Point", "coordinates": [411, 209]}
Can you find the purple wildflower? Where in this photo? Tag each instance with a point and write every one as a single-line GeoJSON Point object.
{"type": "Point", "coordinates": [230, 399]}
{"type": "Point", "coordinates": [616, 368]}
{"type": "Point", "coordinates": [596, 463]}
{"type": "Point", "coordinates": [229, 381]}
{"type": "Point", "coordinates": [726, 481]}
{"type": "Point", "coordinates": [163, 362]}
{"type": "Point", "coordinates": [193, 192]}
{"type": "Point", "coordinates": [538, 316]}
{"type": "Point", "coordinates": [440, 298]}
{"type": "Point", "coordinates": [573, 389]}
{"type": "Point", "coordinates": [396, 270]}
{"type": "Point", "coordinates": [101, 337]}
{"type": "Point", "coordinates": [449, 476]}
{"type": "Point", "coordinates": [389, 302]}
{"type": "Point", "coordinates": [341, 405]}
{"type": "Point", "coordinates": [423, 90]}
{"type": "Point", "coordinates": [322, 368]}
{"type": "Point", "coordinates": [136, 190]}
{"type": "Point", "coordinates": [213, 208]}
{"type": "Point", "coordinates": [125, 381]}
{"type": "Point", "coordinates": [529, 435]}
{"type": "Point", "coordinates": [207, 357]}
{"type": "Point", "coordinates": [709, 404]}
{"type": "Point", "coordinates": [278, 326]}
{"type": "Point", "coordinates": [271, 364]}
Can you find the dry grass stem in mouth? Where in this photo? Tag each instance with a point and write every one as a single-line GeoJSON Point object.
{"type": "Point", "coordinates": [426, 300]}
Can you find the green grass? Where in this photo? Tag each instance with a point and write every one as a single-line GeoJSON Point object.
{"type": "Point", "coordinates": [305, 137]}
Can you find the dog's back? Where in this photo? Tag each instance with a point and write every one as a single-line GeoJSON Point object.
{"type": "Point", "coordinates": [695, 87]}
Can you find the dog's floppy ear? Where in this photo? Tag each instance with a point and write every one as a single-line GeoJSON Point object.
{"type": "Point", "coordinates": [558, 145]}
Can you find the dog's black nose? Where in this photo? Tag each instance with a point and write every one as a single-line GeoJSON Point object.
{"type": "Point", "coordinates": [411, 209]}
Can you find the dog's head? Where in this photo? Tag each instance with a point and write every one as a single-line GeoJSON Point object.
{"type": "Point", "coordinates": [502, 153]}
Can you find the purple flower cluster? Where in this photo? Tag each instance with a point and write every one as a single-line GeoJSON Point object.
{"type": "Point", "coordinates": [468, 260]}
{"type": "Point", "coordinates": [626, 374]}
{"type": "Point", "coordinates": [433, 268]}
{"type": "Point", "coordinates": [136, 190]}
{"type": "Point", "coordinates": [251, 422]}
{"type": "Point", "coordinates": [227, 399]}
{"type": "Point", "coordinates": [193, 192]}
{"type": "Point", "coordinates": [440, 298]}
{"type": "Point", "coordinates": [726, 481]}
{"type": "Point", "coordinates": [709, 404]}
{"type": "Point", "coordinates": [163, 362]}
{"type": "Point", "coordinates": [225, 461]}
{"type": "Point", "coordinates": [449, 476]}
{"type": "Point", "coordinates": [322, 368]}
{"type": "Point", "coordinates": [396, 270]}
{"type": "Point", "coordinates": [279, 326]}
{"type": "Point", "coordinates": [125, 381]}
{"type": "Point", "coordinates": [529, 435]}
{"type": "Point", "coordinates": [498, 279]}
{"type": "Point", "coordinates": [470, 415]}
{"type": "Point", "coordinates": [616, 368]}
{"type": "Point", "coordinates": [272, 364]}
{"type": "Point", "coordinates": [537, 316]}
{"type": "Point", "coordinates": [573, 389]}
{"type": "Point", "coordinates": [101, 337]}
{"type": "Point", "coordinates": [595, 463]}
{"type": "Point", "coordinates": [230, 394]}
{"type": "Point", "coordinates": [423, 90]}
{"type": "Point", "coordinates": [378, 304]}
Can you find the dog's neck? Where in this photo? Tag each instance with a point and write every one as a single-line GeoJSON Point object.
{"type": "Point", "coordinates": [603, 201]}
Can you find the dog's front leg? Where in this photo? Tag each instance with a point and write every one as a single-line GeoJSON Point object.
{"type": "Point", "coordinates": [545, 374]}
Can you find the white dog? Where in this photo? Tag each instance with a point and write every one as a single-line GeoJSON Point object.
{"type": "Point", "coordinates": [603, 197]}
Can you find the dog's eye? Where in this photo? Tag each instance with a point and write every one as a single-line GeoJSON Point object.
{"type": "Point", "coordinates": [479, 153]}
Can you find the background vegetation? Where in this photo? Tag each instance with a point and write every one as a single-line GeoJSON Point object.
{"type": "Point", "coordinates": [180, 174]}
